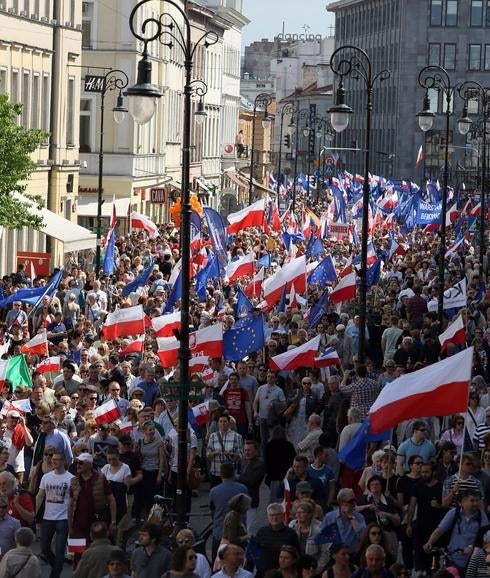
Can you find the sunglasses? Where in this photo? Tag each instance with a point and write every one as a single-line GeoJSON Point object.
{"type": "Point", "coordinates": [49, 454]}
{"type": "Point", "coordinates": [192, 557]}
{"type": "Point", "coordinates": [93, 398]}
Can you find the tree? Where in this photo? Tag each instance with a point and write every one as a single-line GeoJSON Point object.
{"type": "Point", "coordinates": [16, 145]}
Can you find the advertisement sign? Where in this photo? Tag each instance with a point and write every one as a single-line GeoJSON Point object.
{"type": "Point", "coordinates": [339, 231]}
{"type": "Point", "coordinates": [35, 263]}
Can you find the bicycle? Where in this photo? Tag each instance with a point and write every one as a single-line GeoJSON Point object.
{"type": "Point", "coordinates": [440, 558]}
{"type": "Point", "coordinates": [162, 514]}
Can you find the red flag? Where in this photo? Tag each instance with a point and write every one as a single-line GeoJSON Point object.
{"type": "Point", "coordinates": [302, 356]}
{"type": "Point", "coordinates": [252, 216]}
{"type": "Point", "coordinates": [106, 413]}
{"type": "Point", "coordinates": [165, 325]}
{"type": "Point", "coordinates": [123, 322]}
{"type": "Point", "coordinates": [420, 156]}
{"type": "Point", "coordinates": [327, 358]}
{"type": "Point", "coordinates": [455, 333]}
{"type": "Point", "coordinates": [287, 501]}
{"type": "Point", "coordinates": [139, 221]}
{"type": "Point", "coordinates": [38, 344]}
{"type": "Point", "coordinates": [292, 273]}
{"type": "Point", "coordinates": [243, 267]}
{"type": "Point", "coordinates": [77, 545]}
{"type": "Point", "coordinates": [168, 350]}
{"type": "Point", "coordinates": [254, 288]}
{"type": "Point", "coordinates": [207, 341]}
{"type": "Point", "coordinates": [344, 290]}
{"type": "Point", "coordinates": [201, 413]}
{"type": "Point", "coordinates": [198, 364]}
{"type": "Point", "coordinates": [347, 269]}
{"type": "Point", "coordinates": [136, 346]}
{"type": "Point", "coordinates": [51, 364]}
{"type": "Point", "coordinates": [438, 389]}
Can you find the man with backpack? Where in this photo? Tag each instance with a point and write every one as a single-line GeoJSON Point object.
{"type": "Point", "coordinates": [460, 525]}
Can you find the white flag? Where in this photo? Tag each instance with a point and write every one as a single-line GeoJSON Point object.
{"type": "Point", "coordinates": [454, 297]}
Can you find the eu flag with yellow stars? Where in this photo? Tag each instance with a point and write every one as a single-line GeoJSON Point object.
{"type": "Point", "coordinates": [244, 338]}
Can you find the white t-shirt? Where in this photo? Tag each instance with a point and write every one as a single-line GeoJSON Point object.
{"type": "Point", "coordinates": [123, 472]}
{"type": "Point", "coordinates": [57, 490]}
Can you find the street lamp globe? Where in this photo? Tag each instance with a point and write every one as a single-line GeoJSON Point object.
{"type": "Point", "coordinates": [119, 111]}
{"type": "Point", "coordinates": [291, 128]}
{"type": "Point", "coordinates": [464, 123]}
{"type": "Point", "coordinates": [340, 112]}
{"type": "Point", "coordinates": [200, 114]}
{"type": "Point", "coordinates": [266, 122]}
{"type": "Point", "coordinates": [142, 97]}
{"type": "Point", "coordinates": [426, 117]}
{"type": "Point", "coordinates": [306, 131]}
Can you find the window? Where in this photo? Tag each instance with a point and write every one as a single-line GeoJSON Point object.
{"type": "Point", "coordinates": [35, 102]}
{"type": "Point", "coordinates": [14, 86]}
{"type": "Point", "coordinates": [488, 13]}
{"type": "Point", "coordinates": [433, 95]}
{"type": "Point", "coordinates": [486, 64]}
{"type": "Point", "coordinates": [46, 100]}
{"type": "Point", "coordinates": [476, 13]}
{"type": "Point", "coordinates": [85, 125]}
{"type": "Point", "coordinates": [434, 54]}
{"type": "Point", "coordinates": [450, 56]}
{"type": "Point", "coordinates": [474, 57]}
{"type": "Point", "coordinates": [86, 33]}
{"type": "Point", "coordinates": [436, 13]}
{"type": "Point", "coordinates": [3, 81]}
{"type": "Point", "coordinates": [70, 112]}
{"type": "Point", "coordinates": [452, 13]}
{"type": "Point", "coordinates": [26, 98]}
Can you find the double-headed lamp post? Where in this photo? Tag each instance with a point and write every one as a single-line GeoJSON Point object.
{"type": "Point", "coordinates": [287, 110]}
{"type": "Point", "coordinates": [262, 100]}
{"type": "Point", "coordinates": [355, 62]}
{"type": "Point", "coordinates": [113, 80]}
{"type": "Point", "coordinates": [171, 29]}
{"type": "Point", "coordinates": [472, 90]}
{"type": "Point", "coordinates": [294, 127]}
{"type": "Point", "coordinates": [434, 77]}
{"type": "Point", "coordinates": [323, 129]}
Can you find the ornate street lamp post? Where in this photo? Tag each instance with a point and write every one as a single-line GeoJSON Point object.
{"type": "Point", "coordinates": [287, 109]}
{"type": "Point", "coordinates": [262, 100]}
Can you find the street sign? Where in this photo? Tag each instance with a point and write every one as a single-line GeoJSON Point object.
{"type": "Point", "coordinates": [157, 195]}
{"type": "Point", "coordinates": [94, 83]}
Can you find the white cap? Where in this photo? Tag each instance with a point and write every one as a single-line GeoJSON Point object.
{"type": "Point", "coordinates": [85, 457]}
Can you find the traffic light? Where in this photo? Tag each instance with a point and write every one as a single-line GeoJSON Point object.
{"type": "Point", "coordinates": [287, 140]}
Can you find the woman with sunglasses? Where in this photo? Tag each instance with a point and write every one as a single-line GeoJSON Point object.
{"type": "Point", "coordinates": [43, 467]}
{"type": "Point", "coordinates": [476, 413]}
{"type": "Point", "coordinates": [455, 433]}
{"type": "Point", "coordinates": [183, 563]}
{"type": "Point", "coordinates": [186, 537]}
{"type": "Point", "coordinates": [373, 534]}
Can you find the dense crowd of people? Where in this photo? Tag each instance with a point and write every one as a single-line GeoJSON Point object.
{"type": "Point", "coordinates": [71, 479]}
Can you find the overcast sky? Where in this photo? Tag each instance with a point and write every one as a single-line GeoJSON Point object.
{"type": "Point", "coordinates": [267, 18]}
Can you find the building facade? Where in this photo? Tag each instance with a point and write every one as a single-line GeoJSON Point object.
{"type": "Point", "coordinates": [40, 58]}
{"type": "Point", "coordinates": [403, 36]}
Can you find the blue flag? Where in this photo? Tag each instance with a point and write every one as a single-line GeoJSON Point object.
{"type": "Point", "coordinates": [140, 281]}
{"type": "Point", "coordinates": [253, 554]}
{"type": "Point", "coordinates": [210, 272]}
{"type": "Point", "coordinates": [314, 247]}
{"type": "Point", "coordinates": [244, 338]}
{"type": "Point", "coordinates": [373, 274]}
{"type": "Point", "coordinates": [243, 304]}
{"type": "Point", "coordinates": [109, 257]}
{"type": "Point", "coordinates": [174, 296]}
{"type": "Point", "coordinates": [265, 261]}
{"type": "Point", "coordinates": [217, 232]}
{"type": "Point", "coordinates": [324, 272]}
{"type": "Point", "coordinates": [282, 303]}
{"type": "Point", "coordinates": [32, 296]}
{"type": "Point", "coordinates": [289, 238]}
{"type": "Point", "coordinates": [329, 534]}
{"type": "Point", "coordinates": [353, 454]}
{"type": "Point", "coordinates": [319, 309]}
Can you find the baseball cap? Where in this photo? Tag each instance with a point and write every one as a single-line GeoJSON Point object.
{"type": "Point", "coordinates": [340, 327]}
{"type": "Point", "coordinates": [85, 457]}
{"type": "Point", "coordinates": [13, 413]}
{"type": "Point", "coordinates": [389, 363]}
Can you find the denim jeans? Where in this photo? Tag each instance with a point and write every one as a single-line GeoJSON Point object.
{"type": "Point", "coordinates": [48, 529]}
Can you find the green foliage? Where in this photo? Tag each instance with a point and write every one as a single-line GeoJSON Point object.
{"type": "Point", "coordinates": [16, 145]}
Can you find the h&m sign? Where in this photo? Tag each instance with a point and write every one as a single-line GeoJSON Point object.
{"type": "Point", "coordinates": [94, 83]}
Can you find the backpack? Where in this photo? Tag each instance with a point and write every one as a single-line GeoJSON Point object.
{"type": "Point", "coordinates": [444, 540]}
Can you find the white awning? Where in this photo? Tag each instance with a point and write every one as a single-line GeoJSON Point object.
{"type": "Point", "coordinates": [87, 207]}
{"type": "Point", "coordinates": [73, 237]}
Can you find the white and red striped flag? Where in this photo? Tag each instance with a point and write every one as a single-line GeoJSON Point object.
{"type": "Point", "coordinates": [252, 216]}
{"type": "Point", "coordinates": [420, 156]}
{"type": "Point", "coordinates": [292, 273]}
{"type": "Point", "coordinates": [302, 356]}
{"type": "Point", "coordinates": [438, 389]}
{"type": "Point", "coordinates": [327, 358]}
{"type": "Point", "coordinates": [37, 345]}
{"type": "Point", "coordinates": [168, 350]}
{"type": "Point", "coordinates": [344, 290]}
{"type": "Point", "coordinates": [254, 288]}
{"type": "Point", "coordinates": [139, 221]}
{"type": "Point", "coordinates": [77, 545]}
{"type": "Point", "coordinates": [201, 413]}
{"type": "Point", "coordinates": [107, 412]}
{"type": "Point", "coordinates": [243, 267]}
{"type": "Point", "coordinates": [455, 333]}
{"type": "Point", "coordinates": [287, 501]}
{"type": "Point", "coordinates": [51, 364]}
{"type": "Point", "coordinates": [136, 346]}
{"type": "Point", "coordinates": [164, 325]}
{"type": "Point", "coordinates": [123, 322]}
{"type": "Point", "coordinates": [198, 364]}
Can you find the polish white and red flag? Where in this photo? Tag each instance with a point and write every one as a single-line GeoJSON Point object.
{"type": "Point", "coordinates": [452, 214]}
{"type": "Point", "coordinates": [126, 427]}
{"type": "Point", "coordinates": [287, 501]}
{"type": "Point", "coordinates": [198, 364]}
{"type": "Point", "coordinates": [455, 333]}
{"type": "Point", "coordinates": [164, 325]}
{"type": "Point", "coordinates": [252, 216]}
{"type": "Point", "coordinates": [345, 289]}
{"type": "Point", "coordinates": [475, 211]}
{"type": "Point", "coordinates": [77, 545]}
{"type": "Point", "coordinates": [302, 356]}
{"type": "Point", "coordinates": [454, 248]}
{"type": "Point", "coordinates": [123, 322]}
{"type": "Point", "coordinates": [347, 270]}
{"type": "Point", "coordinates": [242, 267]}
{"type": "Point", "coordinates": [201, 413]}
{"type": "Point", "coordinates": [207, 374]}
{"type": "Point", "coordinates": [37, 345]}
{"type": "Point", "coordinates": [139, 221]}
{"type": "Point", "coordinates": [107, 412]}
{"type": "Point", "coordinates": [51, 364]}
{"type": "Point", "coordinates": [136, 346]}
{"type": "Point", "coordinates": [327, 358]}
{"type": "Point", "coordinates": [420, 156]}
{"type": "Point", "coordinates": [168, 351]}
{"type": "Point", "coordinates": [294, 273]}
{"type": "Point", "coordinates": [254, 287]}
{"type": "Point", "coordinates": [438, 389]}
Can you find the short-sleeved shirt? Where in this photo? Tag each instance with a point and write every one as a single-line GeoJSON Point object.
{"type": "Point", "coordinates": [57, 491]}
{"type": "Point", "coordinates": [150, 454]}
{"type": "Point", "coordinates": [153, 566]}
{"type": "Point", "coordinates": [8, 527]}
{"type": "Point", "coordinates": [471, 483]}
{"type": "Point", "coordinates": [266, 396]}
{"type": "Point", "coordinates": [235, 399]}
{"type": "Point", "coordinates": [408, 448]}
